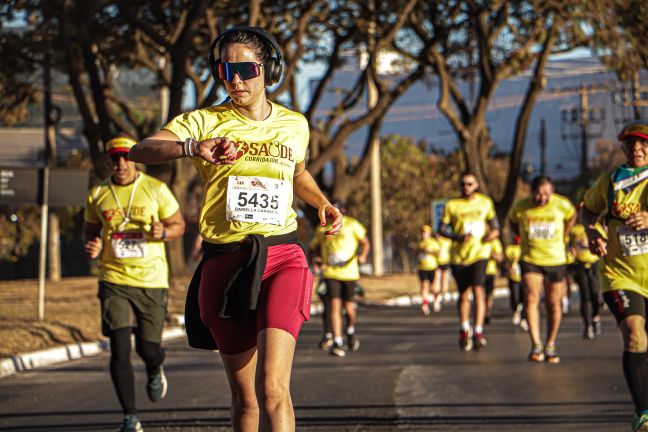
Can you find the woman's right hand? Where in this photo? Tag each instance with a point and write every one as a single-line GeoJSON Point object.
{"type": "Point", "coordinates": [217, 151]}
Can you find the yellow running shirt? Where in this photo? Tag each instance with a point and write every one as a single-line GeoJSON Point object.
{"type": "Point", "coordinates": [253, 196]}
{"type": "Point", "coordinates": [469, 216]}
{"type": "Point", "coordinates": [129, 256]}
{"type": "Point", "coordinates": [619, 270]}
{"type": "Point", "coordinates": [578, 241]}
{"type": "Point", "coordinates": [513, 253]}
{"type": "Point", "coordinates": [340, 252]}
{"type": "Point", "coordinates": [427, 259]}
{"type": "Point", "coordinates": [542, 229]}
{"type": "Point", "coordinates": [496, 249]}
{"type": "Point", "coordinates": [444, 250]}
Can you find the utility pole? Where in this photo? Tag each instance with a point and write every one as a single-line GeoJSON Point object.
{"type": "Point", "coordinates": [584, 111]}
{"type": "Point", "coordinates": [376, 191]}
{"type": "Point", "coordinates": [543, 147]}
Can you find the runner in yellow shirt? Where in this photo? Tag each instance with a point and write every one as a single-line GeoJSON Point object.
{"type": "Point", "coordinates": [471, 222]}
{"type": "Point", "coordinates": [443, 271]}
{"type": "Point", "coordinates": [128, 217]}
{"type": "Point", "coordinates": [339, 261]}
{"type": "Point", "coordinates": [586, 276]}
{"type": "Point", "coordinates": [428, 250]}
{"type": "Point", "coordinates": [251, 292]}
{"type": "Point", "coordinates": [543, 221]}
{"type": "Point", "coordinates": [513, 253]}
{"type": "Point", "coordinates": [495, 259]}
{"type": "Point", "coordinates": [620, 196]}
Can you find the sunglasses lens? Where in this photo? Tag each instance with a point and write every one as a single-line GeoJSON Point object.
{"type": "Point", "coordinates": [245, 70]}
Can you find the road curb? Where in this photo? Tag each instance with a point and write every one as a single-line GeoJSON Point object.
{"type": "Point", "coordinates": [73, 351]}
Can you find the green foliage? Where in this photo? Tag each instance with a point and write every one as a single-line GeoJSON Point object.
{"type": "Point", "coordinates": [411, 179]}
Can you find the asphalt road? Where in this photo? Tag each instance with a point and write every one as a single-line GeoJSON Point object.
{"type": "Point", "coordinates": [408, 375]}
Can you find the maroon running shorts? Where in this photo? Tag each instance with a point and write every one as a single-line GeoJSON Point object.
{"type": "Point", "coordinates": [284, 301]}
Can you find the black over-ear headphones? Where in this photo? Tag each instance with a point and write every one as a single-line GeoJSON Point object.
{"type": "Point", "coordinates": [272, 67]}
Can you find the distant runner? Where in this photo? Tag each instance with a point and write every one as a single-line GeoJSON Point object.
{"type": "Point", "coordinates": [471, 222]}
{"type": "Point", "coordinates": [128, 217]}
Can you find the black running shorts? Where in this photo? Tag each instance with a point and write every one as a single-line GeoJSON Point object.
{"type": "Point", "coordinates": [426, 275]}
{"type": "Point", "coordinates": [624, 303]}
{"type": "Point", "coordinates": [551, 274]}
{"type": "Point", "coordinates": [340, 289]}
{"type": "Point", "coordinates": [469, 275]}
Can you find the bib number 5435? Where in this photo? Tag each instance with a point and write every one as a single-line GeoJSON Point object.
{"type": "Point", "coordinates": [258, 199]}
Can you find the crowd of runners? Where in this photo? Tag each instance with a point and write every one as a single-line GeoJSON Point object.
{"type": "Point", "coordinates": [251, 291]}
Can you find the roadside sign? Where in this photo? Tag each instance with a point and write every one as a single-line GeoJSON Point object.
{"type": "Point", "coordinates": [437, 213]}
{"type": "Point", "coordinates": [67, 187]}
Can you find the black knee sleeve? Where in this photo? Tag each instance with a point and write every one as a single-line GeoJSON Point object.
{"type": "Point", "coordinates": [151, 353]}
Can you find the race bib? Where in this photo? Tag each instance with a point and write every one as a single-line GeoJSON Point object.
{"type": "Point", "coordinates": [632, 242]}
{"type": "Point", "coordinates": [477, 229]}
{"type": "Point", "coordinates": [422, 256]}
{"type": "Point", "coordinates": [542, 230]}
{"type": "Point", "coordinates": [128, 244]}
{"type": "Point", "coordinates": [257, 199]}
{"type": "Point", "coordinates": [338, 259]}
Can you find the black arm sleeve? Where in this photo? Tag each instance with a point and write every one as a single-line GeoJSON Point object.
{"type": "Point", "coordinates": [446, 231]}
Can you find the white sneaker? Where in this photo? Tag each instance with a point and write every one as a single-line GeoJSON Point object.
{"type": "Point", "coordinates": [524, 325]}
{"type": "Point", "coordinates": [517, 316]}
{"type": "Point", "coordinates": [425, 309]}
{"type": "Point", "coordinates": [436, 306]}
{"type": "Point", "coordinates": [565, 305]}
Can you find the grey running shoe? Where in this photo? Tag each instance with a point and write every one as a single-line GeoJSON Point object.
{"type": "Point", "coordinates": [337, 350]}
{"type": "Point", "coordinates": [131, 424]}
{"type": "Point", "coordinates": [326, 343]}
{"type": "Point", "coordinates": [597, 327]}
{"type": "Point", "coordinates": [156, 386]}
{"type": "Point", "coordinates": [588, 333]}
{"type": "Point", "coordinates": [479, 341]}
{"type": "Point", "coordinates": [465, 340]}
{"type": "Point", "coordinates": [353, 342]}
{"type": "Point", "coordinates": [551, 354]}
{"type": "Point", "coordinates": [536, 354]}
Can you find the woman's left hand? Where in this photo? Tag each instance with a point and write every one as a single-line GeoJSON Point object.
{"type": "Point", "coordinates": [638, 221]}
{"type": "Point", "coordinates": [329, 213]}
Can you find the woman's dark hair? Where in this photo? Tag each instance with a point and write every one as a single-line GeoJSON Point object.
{"type": "Point", "coordinates": [262, 49]}
{"type": "Point", "coordinates": [539, 181]}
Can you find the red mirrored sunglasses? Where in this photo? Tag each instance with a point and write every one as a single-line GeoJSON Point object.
{"type": "Point", "coordinates": [245, 70]}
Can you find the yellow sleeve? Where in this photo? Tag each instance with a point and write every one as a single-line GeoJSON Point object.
{"type": "Point", "coordinates": [168, 205]}
{"type": "Point", "coordinates": [497, 246]}
{"type": "Point", "coordinates": [359, 231]}
{"type": "Point", "coordinates": [186, 125]}
{"type": "Point", "coordinates": [491, 210]}
{"type": "Point", "coordinates": [303, 147]}
{"type": "Point", "coordinates": [595, 199]}
{"type": "Point", "coordinates": [446, 217]}
{"type": "Point", "coordinates": [569, 209]}
{"type": "Point", "coordinates": [90, 213]}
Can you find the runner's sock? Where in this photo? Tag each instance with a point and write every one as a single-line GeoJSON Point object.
{"type": "Point", "coordinates": [634, 369]}
{"type": "Point", "coordinates": [465, 326]}
{"type": "Point", "coordinates": [479, 329]}
{"type": "Point", "coordinates": [351, 330]}
{"type": "Point", "coordinates": [338, 340]}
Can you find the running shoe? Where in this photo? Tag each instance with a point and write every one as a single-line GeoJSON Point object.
{"type": "Point", "coordinates": [588, 333]}
{"type": "Point", "coordinates": [597, 327]}
{"type": "Point", "coordinates": [479, 341]}
{"type": "Point", "coordinates": [131, 424]}
{"type": "Point", "coordinates": [326, 343]}
{"type": "Point", "coordinates": [337, 350]}
{"type": "Point", "coordinates": [551, 354]}
{"type": "Point", "coordinates": [536, 354]}
{"type": "Point", "coordinates": [565, 305]}
{"type": "Point", "coordinates": [465, 340]}
{"type": "Point", "coordinates": [156, 386]}
{"type": "Point", "coordinates": [425, 308]}
{"type": "Point", "coordinates": [436, 306]}
{"type": "Point", "coordinates": [640, 422]}
{"type": "Point", "coordinates": [524, 325]}
{"type": "Point", "coordinates": [353, 342]}
{"type": "Point", "coordinates": [517, 316]}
